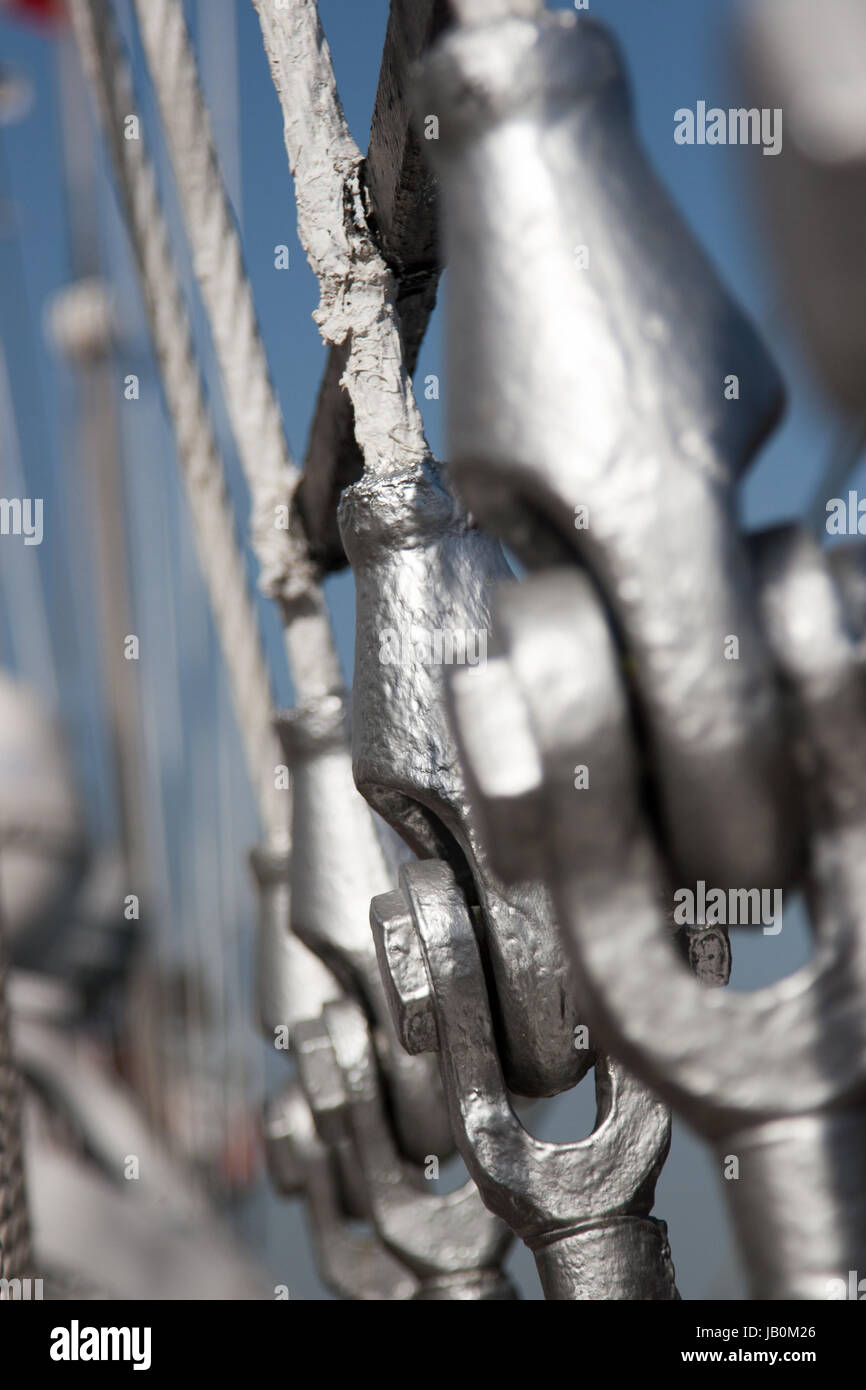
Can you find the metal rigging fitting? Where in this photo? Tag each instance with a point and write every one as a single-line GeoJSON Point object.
{"type": "Point", "coordinates": [582, 1208]}
{"type": "Point", "coordinates": [423, 575]}
{"type": "Point", "coordinates": [293, 985]}
{"type": "Point", "coordinates": [291, 982]}
{"type": "Point", "coordinates": [774, 1079]}
{"type": "Point", "coordinates": [814, 75]}
{"type": "Point", "coordinates": [353, 1265]}
{"type": "Point", "coordinates": [450, 1241]}
{"type": "Point", "coordinates": [605, 396]}
{"type": "Point", "coordinates": [338, 864]}
{"type": "Point", "coordinates": [848, 566]}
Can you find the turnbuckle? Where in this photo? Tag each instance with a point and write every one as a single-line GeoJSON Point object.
{"type": "Point", "coordinates": [582, 1208]}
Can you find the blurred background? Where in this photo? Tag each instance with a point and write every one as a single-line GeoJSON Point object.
{"type": "Point", "coordinates": [146, 794]}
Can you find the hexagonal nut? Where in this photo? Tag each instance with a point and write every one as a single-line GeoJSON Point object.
{"type": "Point", "coordinates": [322, 1080]}
{"type": "Point", "coordinates": [289, 1136]}
{"type": "Point", "coordinates": [502, 765]}
{"type": "Point", "coordinates": [404, 974]}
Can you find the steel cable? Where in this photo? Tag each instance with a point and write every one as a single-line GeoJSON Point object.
{"type": "Point", "coordinates": [285, 570]}
{"type": "Point", "coordinates": [219, 552]}
{"type": "Point", "coordinates": [358, 291]}
{"type": "Point", "coordinates": [14, 1223]}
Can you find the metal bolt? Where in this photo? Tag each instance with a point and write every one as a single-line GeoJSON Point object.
{"type": "Point", "coordinates": [404, 974]}
{"type": "Point", "coordinates": [288, 1126]}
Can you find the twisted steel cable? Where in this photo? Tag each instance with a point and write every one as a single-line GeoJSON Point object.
{"type": "Point", "coordinates": [358, 292]}
{"type": "Point", "coordinates": [15, 1256]}
{"type": "Point", "coordinates": [285, 570]}
{"type": "Point", "coordinates": [215, 533]}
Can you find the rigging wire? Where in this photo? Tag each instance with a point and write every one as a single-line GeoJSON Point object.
{"type": "Point", "coordinates": [285, 569]}
{"type": "Point", "coordinates": [217, 545]}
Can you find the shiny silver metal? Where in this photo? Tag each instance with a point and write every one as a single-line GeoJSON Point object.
{"type": "Point", "coordinates": [450, 1241]}
{"type": "Point", "coordinates": [582, 1208]}
{"type": "Point", "coordinates": [773, 1079]}
{"type": "Point", "coordinates": [338, 864]}
{"type": "Point", "coordinates": [848, 566]}
{"type": "Point", "coordinates": [292, 983]}
{"type": "Point", "coordinates": [355, 1265]}
{"type": "Point", "coordinates": [590, 345]}
{"type": "Point", "coordinates": [423, 576]}
{"type": "Point", "coordinates": [814, 191]}
{"type": "Point", "coordinates": [292, 986]}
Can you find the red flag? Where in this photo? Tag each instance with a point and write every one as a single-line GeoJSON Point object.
{"type": "Point", "coordinates": [47, 14]}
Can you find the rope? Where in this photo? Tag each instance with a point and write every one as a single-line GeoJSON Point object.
{"type": "Point", "coordinates": [358, 292]}
{"type": "Point", "coordinates": [217, 546]}
{"type": "Point", "coordinates": [15, 1258]}
{"type": "Point", "coordinates": [285, 569]}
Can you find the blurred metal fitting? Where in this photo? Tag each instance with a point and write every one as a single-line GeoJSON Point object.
{"type": "Point", "coordinates": [812, 70]}
{"type": "Point", "coordinates": [354, 1265]}
{"type": "Point", "coordinates": [450, 1241]}
{"type": "Point", "coordinates": [325, 1098]}
{"type": "Point", "coordinates": [589, 346]}
{"type": "Point", "coordinates": [292, 986]}
{"type": "Point", "coordinates": [81, 321]}
{"type": "Point", "coordinates": [43, 846]}
{"type": "Point", "coordinates": [338, 865]}
{"type": "Point", "coordinates": [847, 564]}
{"type": "Point", "coordinates": [292, 983]}
{"type": "Point", "coordinates": [774, 1080]}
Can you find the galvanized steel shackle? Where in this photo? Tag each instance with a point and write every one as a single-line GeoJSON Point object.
{"type": "Point", "coordinates": [582, 1208]}
{"type": "Point", "coordinates": [777, 1078]}
{"type": "Point", "coordinates": [423, 577]}
{"type": "Point", "coordinates": [292, 983]}
{"type": "Point", "coordinates": [339, 863]}
{"type": "Point", "coordinates": [354, 1265]}
{"type": "Point", "coordinates": [450, 1242]}
{"type": "Point", "coordinates": [589, 346]}
{"type": "Point", "coordinates": [292, 986]}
